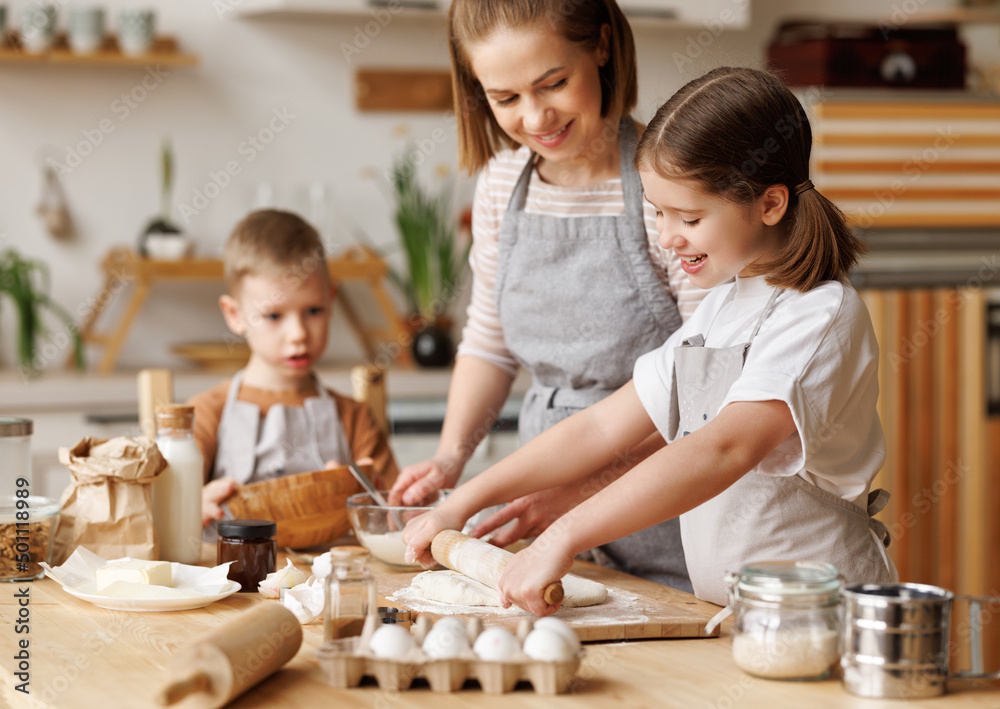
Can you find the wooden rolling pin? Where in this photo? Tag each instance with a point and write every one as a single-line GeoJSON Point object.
{"type": "Point", "coordinates": [480, 561]}
{"type": "Point", "coordinates": [224, 663]}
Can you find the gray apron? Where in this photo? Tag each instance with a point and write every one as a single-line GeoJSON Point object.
{"type": "Point", "coordinates": [764, 517]}
{"type": "Point", "coordinates": [579, 301]}
{"type": "Point", "coordinates": [290, 439]}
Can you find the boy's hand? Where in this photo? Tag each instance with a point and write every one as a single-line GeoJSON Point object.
{"type": "Point", "coordinates": [213, 494]}
{"type": "Point", "coordinates": [419, 481]}
{"type": "Point", "coordinates": [420, 532]}
{"type": "Point", "coordinates": [526, 576]}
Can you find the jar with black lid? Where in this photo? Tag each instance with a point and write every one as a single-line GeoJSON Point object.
{"type": "Point", "coordinates": [249, 543]}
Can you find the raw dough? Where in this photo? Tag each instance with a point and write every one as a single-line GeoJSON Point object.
{"type": "Point", "coordinates": [459, 590]}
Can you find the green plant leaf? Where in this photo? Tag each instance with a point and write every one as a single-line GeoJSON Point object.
{"type": "Point", "coordinates": [26, 283]}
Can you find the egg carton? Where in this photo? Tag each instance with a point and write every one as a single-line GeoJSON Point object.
{"type": "Point", "coordinates": [346, 661]}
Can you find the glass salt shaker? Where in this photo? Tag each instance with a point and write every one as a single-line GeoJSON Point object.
{"type": "Point", "coordinates": [787, 619]}
{"type": "Point", "coordinates": [349, 593]}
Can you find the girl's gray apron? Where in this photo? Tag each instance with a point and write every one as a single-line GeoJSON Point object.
{"type": "Point", "coordinates": [291, 439]}
{"type": "Point", "coordinates": [579, 301]}
{"type": "Point", "coordinates": [763, 517]}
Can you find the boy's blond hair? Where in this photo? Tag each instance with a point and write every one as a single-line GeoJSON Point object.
{"type": "Point", "coordinates": [271, 242]}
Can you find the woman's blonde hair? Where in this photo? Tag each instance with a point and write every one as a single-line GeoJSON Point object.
{"type": "Point", "coordinates": [737, 132]}
{"type": "Point", "coordinates": [578, 21]}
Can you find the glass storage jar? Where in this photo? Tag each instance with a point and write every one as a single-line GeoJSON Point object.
{"type": "Point", "coordinates": [349, 593]}
{"type": "Point", "coordinates": [250, 544]}
{"type": "Point", "coordinates": [787, 619]}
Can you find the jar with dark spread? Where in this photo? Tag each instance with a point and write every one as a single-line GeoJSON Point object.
{"type": "Point", "coordinates": [250, 545]}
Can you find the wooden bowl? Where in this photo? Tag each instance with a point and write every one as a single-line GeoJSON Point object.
{"type": "Point", "coordinates": [309, 508]}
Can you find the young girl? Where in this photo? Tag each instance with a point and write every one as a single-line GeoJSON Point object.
{"type": "Point", "coordinates": [568, 279]}
{"type": "Point", "coordinates": [766, 396]}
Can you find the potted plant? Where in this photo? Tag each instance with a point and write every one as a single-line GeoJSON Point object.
{"type": "Point", "coordinates": [427, 226]}
{"type": "Point", "coordinates": [162, 238]}
{"type": "Point", "coordinates": [25, 283]}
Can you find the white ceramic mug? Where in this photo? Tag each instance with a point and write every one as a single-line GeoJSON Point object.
{"type": "Point", "coordinates": [38, 27]}
{"type": "Point", "coordinates": [136, 28]}
{"type": "Point", "coordinates": [86, 29]}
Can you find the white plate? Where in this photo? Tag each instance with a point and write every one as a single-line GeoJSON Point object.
{"type": "Point", "coordinates": [184, 603]}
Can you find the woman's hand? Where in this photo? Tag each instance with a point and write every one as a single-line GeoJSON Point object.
{"type": "Point", "coordinates": [419, 481]}
{"type": "Point", "coordinates": [420, 532]}
{"type": "Point", "coordinates": [533, 514]}
{"type": "Point", "coordinates": [529, 573]}
{"type": "Point", "coordinates": [213, 494]}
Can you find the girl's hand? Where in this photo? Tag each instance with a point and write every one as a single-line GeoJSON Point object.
{"type": "Point", "coordinates": [528, 574]}
{"type": "Point", "coordinates": [419, 481]}
{"type": "Point", "coordinates": [420, 532]}
{"type": "Point", "coordinates": [213, 494]}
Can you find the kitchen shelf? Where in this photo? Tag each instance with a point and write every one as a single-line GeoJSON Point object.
{"type": "Point", "coordinates": [122, 265]}
{"type": "Point", "coordinates": [957, 16]}
{"type": "Point", "coordinates": [164, 52]}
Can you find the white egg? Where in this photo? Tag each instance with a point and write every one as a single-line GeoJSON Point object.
{"type": "Point", "coordinates": [495, 644]}
{"type": "Point", "coordinates": [445, 641]}
{"type": "Point", "coordinates": [453, 624]}
{"type": "Point", "coordinates": [547, 644]}
{"type": "Point", "coordinates": [392, 642]}
{"type": "Point", "coordinates": [560, 627]}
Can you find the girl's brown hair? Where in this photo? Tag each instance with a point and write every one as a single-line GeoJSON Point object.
{"type": "Point", "coordinates": [738, 131]}
{"type": "Point", "coordinates": [578, 21]}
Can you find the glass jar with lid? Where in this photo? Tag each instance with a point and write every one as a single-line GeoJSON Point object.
{"type": "Point", "coordinates": [787, 619]}
{"type": "Point", "coordinates": [250, 544]}
{"type": "Point", "coordinates": [349, 593]}
{"type": "Point", "coordinates": [15, 452]}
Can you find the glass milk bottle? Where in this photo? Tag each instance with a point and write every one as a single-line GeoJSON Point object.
{"type": "Point", "coordinates": [177, 490]}
{"type": "Point", "coordinates": [350, 593]}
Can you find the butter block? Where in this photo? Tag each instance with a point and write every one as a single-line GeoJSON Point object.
{"type": "Point", "coordinates": [150, 573]}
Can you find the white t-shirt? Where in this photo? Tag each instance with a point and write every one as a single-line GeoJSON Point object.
{"type": "Point", "coordinates": [816, 352]}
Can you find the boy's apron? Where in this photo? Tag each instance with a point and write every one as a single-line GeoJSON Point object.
{"type": "Point", "coordinates": [765, 517]}
{"type": "Point", "coordinates": [579, 301]}
{"type": "Point", "coordinates": [290, 439]}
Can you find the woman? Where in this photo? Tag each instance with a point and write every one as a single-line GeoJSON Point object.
{"type": "Point", "coordinates": [568, 278]}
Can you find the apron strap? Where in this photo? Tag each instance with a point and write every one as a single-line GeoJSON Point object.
{"type": "Point", "coordinates": [631, 184]}
{"type": "Point", "coordinates": [520, 194]}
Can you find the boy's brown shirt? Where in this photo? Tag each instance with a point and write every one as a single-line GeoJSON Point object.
{"type": "Point", "coordinates": [360, 428]}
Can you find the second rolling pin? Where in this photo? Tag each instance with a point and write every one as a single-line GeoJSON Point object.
{"type": "Point", "coordinates": [480, 561]}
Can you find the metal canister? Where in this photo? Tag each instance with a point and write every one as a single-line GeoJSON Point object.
{"type": "Point", "coordinates": [896, 640]}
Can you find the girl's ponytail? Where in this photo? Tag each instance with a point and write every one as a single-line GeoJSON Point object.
{"type": "Point", "coordinates": [819, 244]}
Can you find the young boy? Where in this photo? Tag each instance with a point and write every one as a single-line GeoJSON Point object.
{"type": "Point", "coordinates": [274, 417]}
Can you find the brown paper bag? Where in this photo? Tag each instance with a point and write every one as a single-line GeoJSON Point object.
{"type": "Point", "coordinates": [108, 505]}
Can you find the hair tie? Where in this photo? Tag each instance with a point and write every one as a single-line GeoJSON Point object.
{"type": "Point", "coordinates": [803, 187]}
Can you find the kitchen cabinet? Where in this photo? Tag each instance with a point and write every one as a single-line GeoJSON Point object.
{"type": "Point", "coordinates": [727, 14]}
{"type": "Point", "coordinates": [164, 52]}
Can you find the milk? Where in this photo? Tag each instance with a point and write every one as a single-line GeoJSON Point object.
{"type": "Point", "coordinates": [177, 490]}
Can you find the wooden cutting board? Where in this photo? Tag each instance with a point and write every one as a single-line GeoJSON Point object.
{"type": "Point", "coordinates": [635, 609]}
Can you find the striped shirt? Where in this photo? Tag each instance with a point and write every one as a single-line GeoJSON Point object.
{"type": "Point", "coordinates": [483, 336]}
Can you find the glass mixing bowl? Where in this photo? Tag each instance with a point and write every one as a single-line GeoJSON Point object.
{"type": "Point", "coordinates": [380, 529]}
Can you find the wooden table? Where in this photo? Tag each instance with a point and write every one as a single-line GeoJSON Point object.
{"type": "Point", "coordinates": [82, 657]}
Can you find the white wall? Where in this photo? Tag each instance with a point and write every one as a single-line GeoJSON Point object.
{"type": "Point", "coordinates": [251, 71]}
